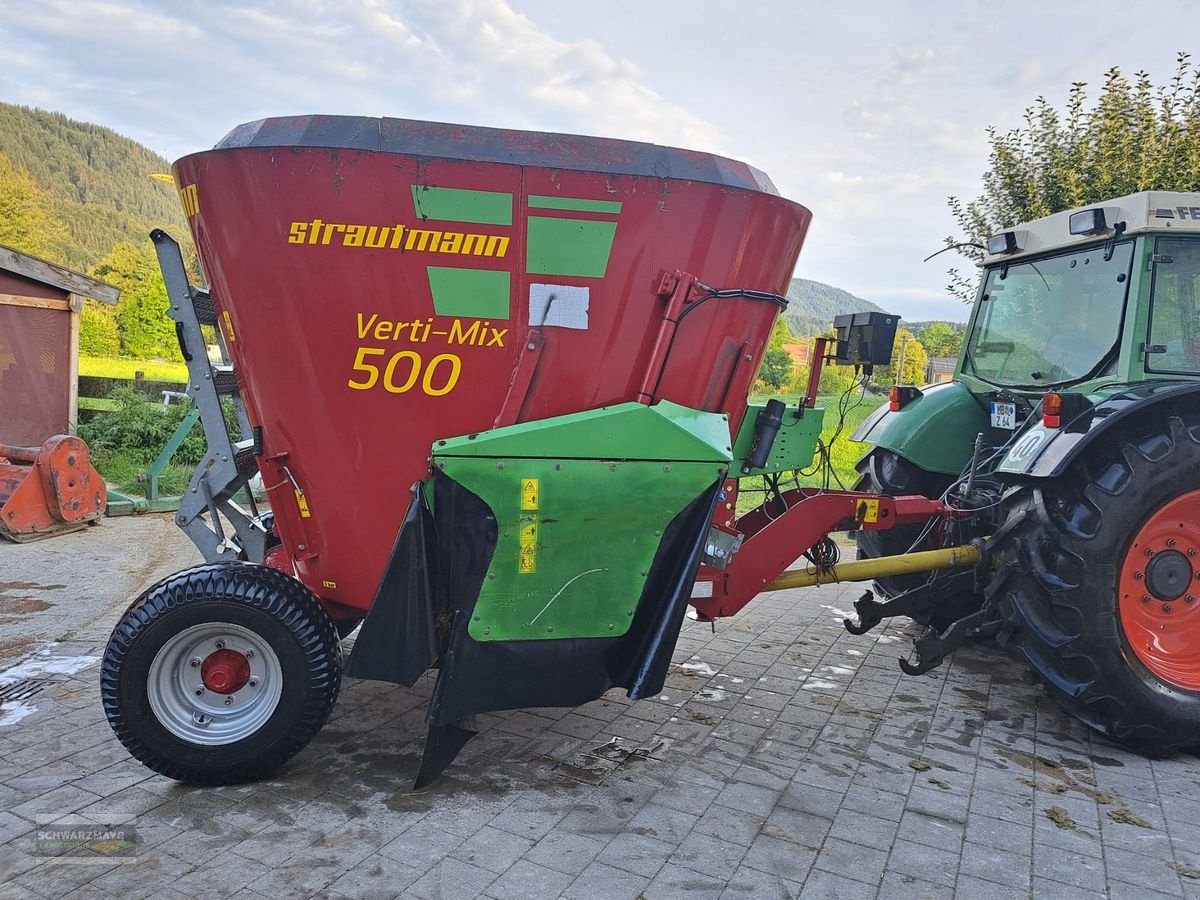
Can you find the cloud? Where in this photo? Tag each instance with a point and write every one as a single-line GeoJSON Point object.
{"type": "Point", "coordinates": [202, 67]}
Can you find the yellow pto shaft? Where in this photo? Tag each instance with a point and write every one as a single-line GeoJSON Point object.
{"type": "Point", "coordinates": [867, 569]}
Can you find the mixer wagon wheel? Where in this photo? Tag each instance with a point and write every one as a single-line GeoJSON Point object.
{"type": "Point", "coordinates": [221, 673]}
{"type": "Point", "coordinates": [1100, 573]}
{"type": "Point", "coordinates": [884, 472]}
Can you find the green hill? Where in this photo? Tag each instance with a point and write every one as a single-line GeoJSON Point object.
{"type": "Point", "coordinates": [97, 183]}
{"type": "Point", "coordinates": [812, 306]}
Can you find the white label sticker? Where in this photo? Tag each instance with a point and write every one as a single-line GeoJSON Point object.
{"type": "Point", "coordinates": [558, 306]}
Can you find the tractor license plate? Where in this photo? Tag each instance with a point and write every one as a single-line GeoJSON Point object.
{"type": "Point", "coordinates": [1004, 415]}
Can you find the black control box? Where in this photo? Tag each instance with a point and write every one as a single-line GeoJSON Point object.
{"type": "Point", "coordinates": [864, 339]}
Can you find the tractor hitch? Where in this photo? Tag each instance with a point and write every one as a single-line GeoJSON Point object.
{"type": "Point", "coordinates": [931, 648]}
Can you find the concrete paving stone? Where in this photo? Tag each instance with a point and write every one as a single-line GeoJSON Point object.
{"type": "Point", "coordinates": [451, 879]}
{"type": "Point", "coordinates": [1081, 841]}
{"type": "Point", "coordinates": [673, 882]}
{"type": "Point", "coordinates": [59, 801]}
{"type": "Point", "coordinates": [923, 862]}
{"type": "Point", "coordinates": [1151, 872]}
{"type": "Point", "coordinates": [1012, 807]}
{"type": "Point", "coordinates": [749, 798]}
{"type": "Point", "coordinates": [298, 879]}
{"type": "Point", "coordinates": [863, 828]}
{"type": "Point", "coordinates": [865, 798]}
{"type": "Point", "coordinates": [970, 888]}
{"type": "Point", "coordinates": [932, 831]}
{"type": "Point", "coordinates": [493, 849]}
{"type": "Point", "coordinates": [150, 872]}
{"type": "Point", "coordinates": [781, 858]}
{"type": "Point", "coordinates": [1044, 887]}
{"type": "Point", "coordinates": [1004, 867]}
{"type": "Point", "coordinates": [531, 818]}
{"type": "Point", "coordinates": [751, 884]}
{"type": "Point", "coordinates": [16, 860]}
{"type": "Point", "coordinates": [377, 877]}
{"type": "Point", "coordinates": [797, 827]}
{"type": "Point", "coordinates": [638, 853]}
{"type": "Point", "coordinates": [565, 852]}
{"type": "Point", "coordinates": [1016, 837]}
{"type": "Point", "coordinates": [822, 885]}
{"type": "Point", "coordinates": [422, 846]}
{"type": "Point", "coordinates": [1085, 872]}
{"type": "Point", "coordinates": [52, 879]}
{"type": "Point", "coordinates": [928, 800]}
{"type": "Point", "coordinates": [686, 796]}
{"type": "Point", "coordinates": [601, 882]}
{"type": "Point", "coordinates": [663, 822]}
{"type": "Point", "coordinates": [854, 860]}
{"type": "Point", "coordinates": [711, 856]}
{"type": "Point", "coordinates": [897, 886]}
{"type": "Point", "coordinates": [1120, 890]}
{"type": "Point", "coordinates": [730, 825]}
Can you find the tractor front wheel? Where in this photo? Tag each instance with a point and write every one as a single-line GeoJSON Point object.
{"type": "Point", "coordinates": [221, 673]}
{"type": "Point", "coordinates": [1100, 575]}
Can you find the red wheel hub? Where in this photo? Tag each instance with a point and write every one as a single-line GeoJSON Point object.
{"type": "Point", "coordinates": [225, 671]}
{"type": "Point", "coordinates": [1160, 593]}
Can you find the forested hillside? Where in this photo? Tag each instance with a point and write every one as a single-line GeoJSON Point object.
{"type": "Point", "coordinates": [96, 184]}
{"type": "Point", "coordinates": [812, 306]}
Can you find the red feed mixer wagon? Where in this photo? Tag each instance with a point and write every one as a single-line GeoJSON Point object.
{"type": "Point", "coordinates": [496, 384]}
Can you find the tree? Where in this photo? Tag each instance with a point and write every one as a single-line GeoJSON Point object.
{"type": "Point", "coordinates": [1135, 138]}
{"type": "Point", "coordinates": [776, 369]}
{"type": "Point", "coordinates": [915, 361]}
{"type": "Point", "coordinates": [26, 223]}
{"type": "Point", "coordinates": [141, 314]}
{"type": "Point", "coordinates": [939, 339]}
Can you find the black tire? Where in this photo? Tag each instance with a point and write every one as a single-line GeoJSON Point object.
{"type": "Point", "coordinates": [952, 595]}
{"type": "Point", "coordinates": [280, 612]}
{"type": "Point", "coordinates": [1061, 552]}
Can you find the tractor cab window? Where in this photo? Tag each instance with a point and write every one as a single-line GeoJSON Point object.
{"type": "Point", "coordinates": [1175, 308]}
{"type": "Point", "coordinates": [1050, 321]}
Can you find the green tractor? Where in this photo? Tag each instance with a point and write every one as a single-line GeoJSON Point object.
{"type": "Point", "coordinates": [1070, 439]}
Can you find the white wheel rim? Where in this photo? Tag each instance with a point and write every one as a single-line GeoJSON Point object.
{"type": "Point", "coordinates": [193, 713]}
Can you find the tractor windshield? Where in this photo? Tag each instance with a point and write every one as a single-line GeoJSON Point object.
{"type": "Point", "coordinates": [1051, 320]}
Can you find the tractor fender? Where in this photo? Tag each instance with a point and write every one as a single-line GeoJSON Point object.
{"type": "Point", "coordinates": [1048, 452]}
{"type": "Point", "coordinates": [935, 431]}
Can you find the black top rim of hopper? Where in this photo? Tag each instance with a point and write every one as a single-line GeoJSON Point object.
{"type": "Point", "coordinates": [475, 143]}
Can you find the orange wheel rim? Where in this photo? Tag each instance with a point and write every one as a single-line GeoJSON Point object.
{"type": "Point", "coordinates": [1159, 593]}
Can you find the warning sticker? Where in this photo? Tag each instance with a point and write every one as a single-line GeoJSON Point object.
{"type": "Point", "coordinates": [302, 502]}
{"type": "Point", "coordinates": [529, 494]}
{"type": "Point", "coordinates": [527, 547]}
{"type": "Point", "coordinates": [868, 511]}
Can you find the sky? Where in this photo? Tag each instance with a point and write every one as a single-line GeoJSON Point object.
{"type": "Point", "coordinates": [869, 114]}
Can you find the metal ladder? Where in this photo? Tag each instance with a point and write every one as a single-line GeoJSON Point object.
{"type": "Point", "coordinates": [219, 527]}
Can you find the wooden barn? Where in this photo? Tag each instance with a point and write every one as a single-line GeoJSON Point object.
{"type": "Point", "coordinates": [40, 306]}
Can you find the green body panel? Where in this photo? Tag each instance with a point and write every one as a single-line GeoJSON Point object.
{"type": "Point", "coordinates": [471, 293]}
{"type": "Point", "coordinates": [575, 540]}
{"type": "Point", "coordinates": [458, 205]}
{"type": "Point", "coordinates": [794, 447]}
{"type": "Point", "coordinates": [665, 431]}
{"type": "Point", "coordinates": [936, 431]}
{"type": "Point", "coordinates": [574, 203]}
{"type": "Point", "coordinates": [578, 247]}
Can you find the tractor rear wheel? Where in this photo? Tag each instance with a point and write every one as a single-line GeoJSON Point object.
{"type": "Point", "coordinates": [1100, 575]}
{"type": "Point", "coordinates": [221, 673]}
{"type": "Point", "coordinates": [950, 596]}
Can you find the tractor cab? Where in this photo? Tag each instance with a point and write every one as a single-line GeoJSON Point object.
{"type": "Point", "coordinates": [1089, 297]}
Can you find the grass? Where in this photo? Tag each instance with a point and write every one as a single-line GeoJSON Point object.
{"type": "Point", "coordinates": [121, 469]}
{"type": "Point", "coordinates": [120, 367]}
